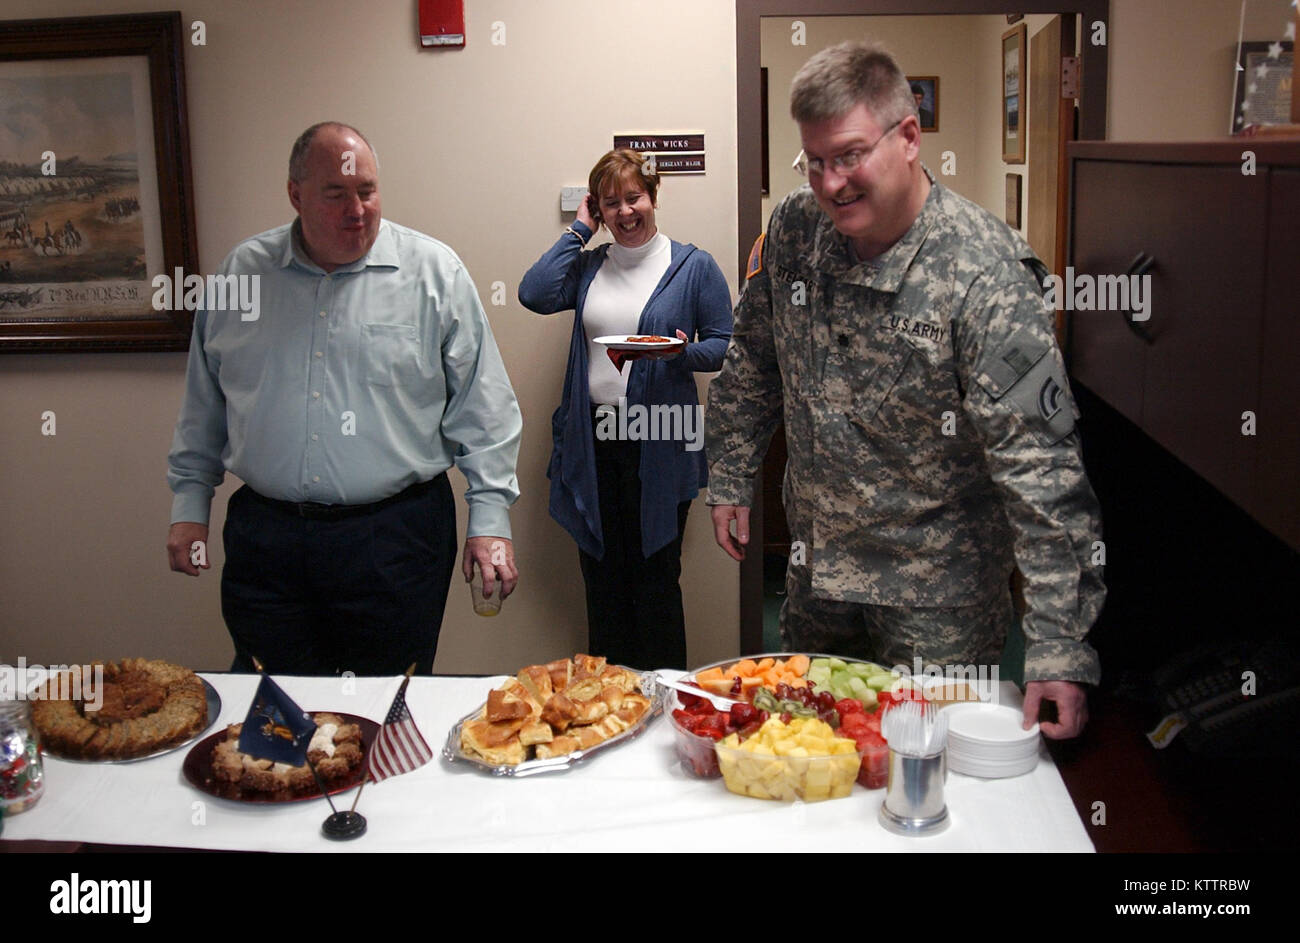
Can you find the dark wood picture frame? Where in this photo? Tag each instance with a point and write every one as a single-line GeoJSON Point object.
{"type": "Point", "coordinates": [159, 37]}
{"type": "Point", "coordinates": [1015, 183]}
{"type": "Point", "coordinates": [1014, 80]}
{"type": "Point", "coordinates": [930, 91]}
{"type": "Point", "coordinates": [767, 169]}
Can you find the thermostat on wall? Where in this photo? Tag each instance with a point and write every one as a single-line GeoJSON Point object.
{"type": "Point", "coordinates": [571, 198]}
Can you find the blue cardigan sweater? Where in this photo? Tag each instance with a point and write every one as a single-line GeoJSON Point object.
{"type": "Point", "coordinates": [692, 296]}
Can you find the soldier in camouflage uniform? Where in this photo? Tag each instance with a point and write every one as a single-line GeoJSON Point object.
{"type": "Point", "coordinates": [901, 333]}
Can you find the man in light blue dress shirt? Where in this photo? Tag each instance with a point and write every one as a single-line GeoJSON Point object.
{"type": "Point", "coordinates": [363, 369]}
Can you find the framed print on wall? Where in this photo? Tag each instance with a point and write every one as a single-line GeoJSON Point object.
{"type": "Point", "coordinates": [1014, 100]}
{"type": "Point", "coordinates": [96, 194]}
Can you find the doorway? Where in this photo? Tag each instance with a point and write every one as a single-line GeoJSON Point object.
{"type": "Point", "coordinates": [758, 21]}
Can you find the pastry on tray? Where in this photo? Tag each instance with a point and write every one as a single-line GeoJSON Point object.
{"type": "Point", "coordinates": [554, 709]}
{"type": "Point", "coordinates": [119, 710]}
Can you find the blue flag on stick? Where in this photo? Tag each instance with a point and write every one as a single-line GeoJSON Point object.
{"type": "Point", "coordinates": [276, 728]}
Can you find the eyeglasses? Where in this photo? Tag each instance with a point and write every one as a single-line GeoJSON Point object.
{"type": "Point", "coordinates": [844, 163]}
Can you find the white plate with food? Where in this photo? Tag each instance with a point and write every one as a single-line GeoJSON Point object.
{"type": "Point", "coordinates": [639, 342]}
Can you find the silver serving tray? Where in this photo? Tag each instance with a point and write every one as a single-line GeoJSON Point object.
{"type": "Point", "coordinates": [451, 751]}
{"type": "Point", "coordinates": [214, 711]}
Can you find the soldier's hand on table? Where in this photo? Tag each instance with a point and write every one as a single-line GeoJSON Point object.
{"type": "Point", "coordinates": [1071, 707]}
{"type": "Point", "coordinates": [180, 545]}
{"type": "Point", "coordinates": [495, 557]}
{"type": "Point", "coordinates": [723, 515]}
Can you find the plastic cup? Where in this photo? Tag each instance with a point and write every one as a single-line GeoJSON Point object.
{"type": "Point", "coordinates": [484, 605]}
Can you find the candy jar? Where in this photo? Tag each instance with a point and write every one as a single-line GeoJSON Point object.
{"type": "Point", "coordinates": [22, 777]}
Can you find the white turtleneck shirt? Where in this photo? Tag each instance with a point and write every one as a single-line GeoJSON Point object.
{"type": "Point", "coordinates": [615, 299]}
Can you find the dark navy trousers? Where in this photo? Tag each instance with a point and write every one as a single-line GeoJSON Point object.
{"type": "Point", "coordinates": [362, 593]}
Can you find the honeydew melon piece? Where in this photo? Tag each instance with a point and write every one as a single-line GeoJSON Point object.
{"type": "Point", "coordinates": [858, 688]}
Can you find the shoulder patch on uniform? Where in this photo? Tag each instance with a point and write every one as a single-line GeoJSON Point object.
{"type": "Point", "coordinates": [755, 264]}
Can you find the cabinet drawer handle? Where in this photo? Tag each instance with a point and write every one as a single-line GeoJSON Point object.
{"type": "Point", "coordinates": [1140, 265]}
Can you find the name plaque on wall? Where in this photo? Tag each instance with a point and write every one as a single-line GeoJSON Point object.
{"type": "Point", "coordinates": [674, 152]}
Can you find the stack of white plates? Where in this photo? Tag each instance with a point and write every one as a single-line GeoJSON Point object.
{"type": "Point", "coordinates": [987, 740]}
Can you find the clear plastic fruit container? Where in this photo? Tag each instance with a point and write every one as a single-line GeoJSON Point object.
{"type": "Point", "coordinates": [696, 752]}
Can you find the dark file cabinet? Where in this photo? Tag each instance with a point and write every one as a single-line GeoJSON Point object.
{"type": "Point", "coordinates": [1223, 335]}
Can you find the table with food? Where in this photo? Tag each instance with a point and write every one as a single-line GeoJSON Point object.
{"type": "Point", "coordinates": [800, 751]}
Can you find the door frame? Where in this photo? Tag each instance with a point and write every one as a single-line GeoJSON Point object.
{"type": "Point", "coordinates": [749, 168]}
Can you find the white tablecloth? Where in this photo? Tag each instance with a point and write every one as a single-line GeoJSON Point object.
{"type": "Point", "coordinates": [635, 796]}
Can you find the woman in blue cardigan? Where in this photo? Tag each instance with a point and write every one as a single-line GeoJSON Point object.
{"type": "Point", "coordinates": [628, 452]}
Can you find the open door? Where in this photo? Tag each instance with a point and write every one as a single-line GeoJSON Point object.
{"type": "Point", "coordinates": [1051, 125]}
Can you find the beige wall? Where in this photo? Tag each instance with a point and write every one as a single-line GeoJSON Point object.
{"type": "Point", "coordinates": [475, 145]}
{"type": "Point", "coordinates": [1172, 67]}
{"type": "Point", "coordinates": [993, 182]}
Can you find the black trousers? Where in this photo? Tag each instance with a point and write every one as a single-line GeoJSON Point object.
{"type": "Point", "coordinates": [319, 597]}
{"type": "Point", "coordinates": [634, 602]}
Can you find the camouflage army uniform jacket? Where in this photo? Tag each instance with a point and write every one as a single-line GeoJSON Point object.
{"type": "Point", "coordinates": [928, 420]}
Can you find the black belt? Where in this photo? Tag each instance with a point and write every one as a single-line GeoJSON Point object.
{"type": "Point", "coordinates": [310, 510]}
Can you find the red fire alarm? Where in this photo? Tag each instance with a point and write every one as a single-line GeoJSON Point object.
{"type": "Point", "coordinates": [442, 22]}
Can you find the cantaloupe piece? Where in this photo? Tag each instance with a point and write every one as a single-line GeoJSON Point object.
{"type": "Point", "coordinates": [750, 685]}
{"type": "Point", "coordinates": [717, 686]}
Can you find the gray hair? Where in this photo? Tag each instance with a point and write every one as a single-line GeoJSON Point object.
{"type": "Point", "coordinates": [841, 77]}
{"type": "Point", "coordinates": [302, 147]}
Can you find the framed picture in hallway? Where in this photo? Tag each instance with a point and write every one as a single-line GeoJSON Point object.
{"type": "Point", "coordinates": [1014, 100]}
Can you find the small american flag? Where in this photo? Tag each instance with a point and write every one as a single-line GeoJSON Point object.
{"type": "Point", "coordinates": [399, 748]}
